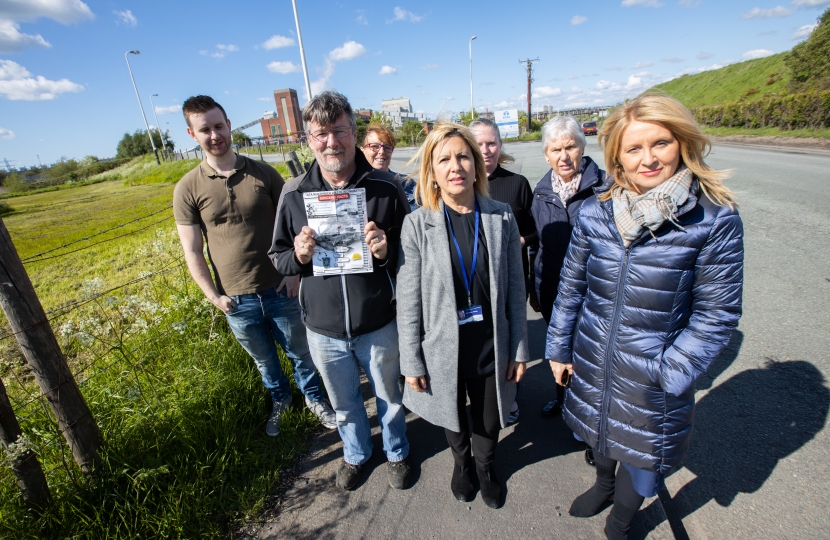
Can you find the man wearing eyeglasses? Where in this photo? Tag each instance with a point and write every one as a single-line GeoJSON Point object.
{"type": "Point", "coordinates": [232, 201]}
{"type": "Point", "coordinates": [350, 319]}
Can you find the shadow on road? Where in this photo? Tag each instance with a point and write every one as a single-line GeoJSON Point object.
{"type": "Point", "coordinates": [744, 427]}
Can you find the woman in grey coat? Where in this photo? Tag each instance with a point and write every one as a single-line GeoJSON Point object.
{"type": "Point", "coordinates": [462, 323]}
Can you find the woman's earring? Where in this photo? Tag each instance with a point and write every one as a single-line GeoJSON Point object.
{"type": "Point", "coordinates": [435, 185]}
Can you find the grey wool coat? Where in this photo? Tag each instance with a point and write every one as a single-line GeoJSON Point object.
{"type": "Point", "coordinates": [427, 320]}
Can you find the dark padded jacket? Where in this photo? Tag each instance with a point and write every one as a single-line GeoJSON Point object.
{"type": "Point", "coordinates": [554, 223]}
{"type": "Point", "coordinates": [642, 324]}
{"type": "Point", "coordinates": [347, 305]}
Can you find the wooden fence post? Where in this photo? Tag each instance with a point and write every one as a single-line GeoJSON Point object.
{"type": "Point", "coordinates": [37, 341]}
{"type": "Point", "coordinates": [26, 467]}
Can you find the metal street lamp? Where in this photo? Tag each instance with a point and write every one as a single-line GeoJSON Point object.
{"type": "Point", "coordinates": [302, 50]}
{"type": "Point", "coordinates": [472, 106]}
{"type": "Point", "coordinates": [158, 126]}
{"type": "Point", "coordinates": [140, 106]}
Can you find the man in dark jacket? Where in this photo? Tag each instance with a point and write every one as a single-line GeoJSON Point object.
{"type": "Point", "coordinates": [350, 318]}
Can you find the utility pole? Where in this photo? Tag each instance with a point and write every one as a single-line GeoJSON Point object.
{"type": "Point", "coordinates": [529, 63]}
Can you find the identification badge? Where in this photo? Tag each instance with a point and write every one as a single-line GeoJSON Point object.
{"type": "Point", "coordinates": [470, 314]}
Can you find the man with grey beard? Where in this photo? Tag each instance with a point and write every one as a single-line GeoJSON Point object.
{"type": "Point", "coordinates": [350, 319]}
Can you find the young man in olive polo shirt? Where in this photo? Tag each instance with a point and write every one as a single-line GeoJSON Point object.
{"type": "Point", "coordinates": [232, 201]}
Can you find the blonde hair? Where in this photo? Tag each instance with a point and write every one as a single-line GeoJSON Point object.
{"type": "Point", "coordinates": [427, 194]}
{"type": "Point", "coordinates": [672, 115]}
{"type": "Point", "coordinates": [481, 121]}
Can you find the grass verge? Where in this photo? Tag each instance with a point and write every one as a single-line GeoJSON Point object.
{"type": "Point", "coordinates": [768, 132]}
{"type": "Point", "coordinates": [180, 404]}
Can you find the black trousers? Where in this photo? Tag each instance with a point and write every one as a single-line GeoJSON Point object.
{"type": "Point", "coordinates": [546, 305]}
{"type": "Point", "coordinates": [486, 423]}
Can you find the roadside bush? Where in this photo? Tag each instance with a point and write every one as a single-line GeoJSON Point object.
{"type": "Point", "coordinates": [5, 208]}
{"type": "Point", "coordinates": [16, 183]}
{"type": "Point", "coordinates": [79, 175]}
{"type": "Point", "coordinates": [810, 110]}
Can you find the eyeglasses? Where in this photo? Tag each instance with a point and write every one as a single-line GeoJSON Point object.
{"type": "Point", "coordinates": [339, 133]}
{"type": "Point", "coordinates": [377, 146]}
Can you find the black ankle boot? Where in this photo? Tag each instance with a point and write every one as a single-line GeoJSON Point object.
{"type": "Point", "coordinates": [593, 501]}
{"type": "Point", "coordinates": [462, 482]}
{"type": "Point", "coordinates": [619, 521]}
{"type": "Point", "coordinates": [490, 486]}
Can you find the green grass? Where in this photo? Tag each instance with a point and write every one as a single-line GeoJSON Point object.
{"type": "Point", "coordinates": [180, 404]}
{"type": "Point", "coordinates": [766, 76]}
{"type": "Point", "coordinates": [768, 132]}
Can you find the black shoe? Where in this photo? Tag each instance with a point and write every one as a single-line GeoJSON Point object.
{"type": "Point", "coordinates": [462, 483]}
{"type": "Point", "coordinates": [596, 499]}
{"type": "Point", "coordinates": [399, 473]}
{"type": "Point", "coordinates": [490, 487]}
{"type": "Point", "coordinates": [551, 409]}
{"type": "Point", "coordinates": [348, 475]}
{"type": "Point", "coordinates": [589, 456]}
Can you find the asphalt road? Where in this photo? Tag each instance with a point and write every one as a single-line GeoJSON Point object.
{"type": "Point", "coordinates": [758, 465]}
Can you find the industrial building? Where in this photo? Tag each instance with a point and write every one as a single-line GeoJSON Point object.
{"type": "Point", "coordinates": [286, 121]}
{"type": "Point", "coordinates": [399, 110]}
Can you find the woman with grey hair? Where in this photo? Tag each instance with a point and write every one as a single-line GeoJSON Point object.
{"type": "Point", "coordinates": [556, 202]}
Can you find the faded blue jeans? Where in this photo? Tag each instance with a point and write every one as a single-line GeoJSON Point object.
{"type": "Point", "coordinates": [261, 319]}
{"type": "Point", "coordinates": [377, 353]}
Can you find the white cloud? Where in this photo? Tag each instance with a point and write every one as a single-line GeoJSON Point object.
{"type": "Point", "coordinates": [576, 90]}
{"type": "Point", "coordinates": [603, 84]}
{"type": "Point", "coordinates": [227, 48]}
{"type": "Point", "coordinates": [689, 3]}
{"type": "Point", "coordinates": [578, 19]}
{"type": "Point", "coordinates": [263, 99]}
{"type": "Point", "coordinates": [14, 12]}
{"type": "Point", "coordinates": [16, 83]}
{"type": "Point", "coordinates": [804, 32]}
{"type": "Point", "coordinates": [641, 65]}
{"type": "Point", "coordinates": [283, 67]}
{"type": "Point", "coordinates": [672, 59]}
{"type": "Point", "coordinates": [361, 19]}
{"type": "Point", "coordinates": [401, 14]}
{"type": "Point", "coordinates": [349, 51]}
{"type": "Point", "coordinates": [448, 98]}
{"type": "Point", "coordinates": [644, 3]}
{"type": "Point", "coordinates": [704, 55]}
{"type": "Point", "coordinates": [424, 93]}
{"type": "Point", "coordinates": [7, 134]}
{"type": "Point", "coordinates": [756, 53]}
{"type": "Point", "coordinates": [503, 104]}
{"type": "Point", "coordinates": [634, 82]}
{"type": "Point", "coordinates": [546, 91]}
{"type": "Point", "coordinates": [169, 109]}
{"type": "Point", "coordinates": [758, 13]}
{"type": "Point", "coordinates": [431, 66]}
{"type": "Point", "coordinates": [810, 3]}
{"type": "Point", "coordinates": [126, 17]}
{"type": "Point", "coordinates": [278, 42]}
{"type": "Point", "coordinates": [387, 70]}
{"type": "Point", "coordinates": [322, 83]}
{"type": "Point", "coordinates": [222, 52]}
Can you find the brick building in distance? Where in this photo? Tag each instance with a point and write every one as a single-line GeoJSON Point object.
{"type": "Point", "coordinates": [286, 122]}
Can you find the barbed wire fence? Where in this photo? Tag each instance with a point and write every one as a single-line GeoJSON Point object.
{"type": "Point", "coordinates": [104, 333]}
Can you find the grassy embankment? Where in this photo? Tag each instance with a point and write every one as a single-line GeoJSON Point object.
{"type": "Point", "coordinates": [745, 82]}
{"type": "Point", "coordinates": [180, 404]}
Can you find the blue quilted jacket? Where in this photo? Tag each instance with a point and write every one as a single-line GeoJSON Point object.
{"type": "Point", "coordinates": [642, 324]}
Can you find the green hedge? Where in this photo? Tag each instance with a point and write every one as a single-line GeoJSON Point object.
{"type": "Point", "coordinates": [808, 110]}
{"type": "Point", "coordinates": [80, 174]}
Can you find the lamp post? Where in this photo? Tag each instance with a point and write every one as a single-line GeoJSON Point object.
{"type": "Point", "coordinates": [140, 106]}
{"type": "Point", "coordinates": [302, 50]}
{"type": "Point", "coordinates": [158, 126]}
{"type": "Point", "coordinates": [472, 106]}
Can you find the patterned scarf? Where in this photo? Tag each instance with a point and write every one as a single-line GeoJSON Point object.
{"type": "Point", "coordinates": [633, 212]}
{"type": "Point", "coordinates": [565, 190]}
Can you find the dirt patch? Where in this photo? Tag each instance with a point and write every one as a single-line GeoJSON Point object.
{"type": "Point", "coordinates": [780, 142]}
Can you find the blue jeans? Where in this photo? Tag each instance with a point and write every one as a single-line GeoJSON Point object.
{"type": "Point", "coordinates": [261, 318]}
{"type": "Point", "coordinates": [377, 353]}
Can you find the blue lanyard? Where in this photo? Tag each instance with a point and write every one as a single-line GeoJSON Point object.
{"type": "Point", "coordinates": [467, 280]}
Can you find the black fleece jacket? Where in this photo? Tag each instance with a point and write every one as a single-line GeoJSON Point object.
{"type": "Point", "coordinates": [347, 305]}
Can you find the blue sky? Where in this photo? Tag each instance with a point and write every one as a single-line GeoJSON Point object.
{"type": "Point", "coordinates": [65, 89]}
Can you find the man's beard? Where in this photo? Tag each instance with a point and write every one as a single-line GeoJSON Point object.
{"type": "Point", "coordinates": [344, 162]}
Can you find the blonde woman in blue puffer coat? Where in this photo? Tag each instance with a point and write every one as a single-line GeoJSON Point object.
{"type": "Point", "coordinates": [649, 294]}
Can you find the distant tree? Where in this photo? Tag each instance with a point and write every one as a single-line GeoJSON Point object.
{"type": "Point", "coordinates": [380, 118]}
{"type": "Point", "coordinates": [138, 144]}
{"type": "Point", "coordinates": [62, 168]}
{"type": "Point", "coordinates": [361, 130]}
{"type": "Point", "coordinates": [88, 160]}
{"type": "Point", "coordinates": [809, 61]}
{"type": "Point", "coordinates": [466, 117]}
{"type": "Point", "coordinates": [16, 183]}
{"type": "Point", "coordinates": [241, 139]}
{"type": "Point", "coordinates": [411, 132]}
